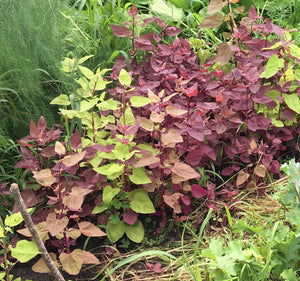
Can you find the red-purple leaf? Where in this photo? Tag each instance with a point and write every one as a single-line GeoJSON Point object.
{"type": "Point", "coordinates": [155, 268]}
{"type": "Point", "coordinates": [186, 200]}
{"type": "Point", "coordinates": [172, 30]}
{"type": "Point", "coordinates": [130, 217]}
{"type": "Point", "coordinates": [120, 31]}
{"type": "Point", "coordinates": [42, 125]}
{"type": "Point", "coordinates": [198, 191]}
{"type": "Point", "coordinates": [75, 140]}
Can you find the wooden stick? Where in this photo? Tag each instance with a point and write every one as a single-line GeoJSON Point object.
{"type": "Point", "coordinates": [14, 189]}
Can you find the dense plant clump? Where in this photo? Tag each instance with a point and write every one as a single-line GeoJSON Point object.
{"type": "Point", "coordinates": [169, 125]}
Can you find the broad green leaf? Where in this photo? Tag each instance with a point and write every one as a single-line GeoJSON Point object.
{"type": "Point", "coordinates": [109, 105]}
{"type": "Point", "coordinates": [226, 264]}
{"type": "Point", "coordinates": [96, 160]}
{"type": "Point", "coordinates": [98, 83]}
{"type": "Point", "coordinates": [99, 209]}
{"type": "Point", "coordinates": [289, 275]}
{"type": "Point", "coordinates": [86, 72]}
{"type": "Point", "coordinates": [273, 94]}
{"type": "Point", "coordinates": [137, 101]}
{"type": "Point", "coordinates": [24, 250]}
{"type": "Point", "coordinates": [62, 99]}
{"type": "Point", "coordinates": [109, 193]}
{"type": "Point", "coordinates": [140, 202]}
{"type": "Point", "coordinates": [292, 101]}
{"type": "Point", "coordinates": [14, 219]}
{"type": "Point", "coordinates": [297, 74]}
{"type": "Point", "coordinates": [87, 105]}
{"type": "Point", "coordinates": [295, 51]}
{"type": "Point", "coordinates": [68, 65]}
{"type": "Point", "coordinates": [121, 150]}
{"type": "Point", "coordinates": [287, 36]}
{"type": "Point", "coordinates": [135, 232]}
{"type": "Point", "coordinates": [129, 118]}
{"type": "Point", "coordinates": [115, 231]}
{"type": "Point", "coordinates": [272, 66]}
{"type": "Point", "coordinates": [71, 113]}
{"type": "Point", "coordinates": [83, 59]}
{"type": "Point", "coordinates": [180, 3]}
{"type": "Point", "coordinates": [124, 78]}
{"type": "Point", "coordinates": [277, 123]}
{"type": "Point", "coordinates": [216, 246]}
{"type": "Point", "coordinates": [166, 10]}
{"type": "Point", "coordinates": [287, 76]}
{"type": "Point", "coordinates": [2, 233]}
{"type": "Point", "coordinates": [109, 169]}
{"type": "Point", "coordinates": [139, 176]}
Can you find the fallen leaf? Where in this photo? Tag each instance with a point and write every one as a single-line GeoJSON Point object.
{"type": "Point", "coordinates": [242, 178]}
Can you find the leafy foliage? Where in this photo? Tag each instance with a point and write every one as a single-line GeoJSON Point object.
{"type": "Point", "coordinates": [140, 137]}
{"type": "Point", "coordinates": [32, 46]}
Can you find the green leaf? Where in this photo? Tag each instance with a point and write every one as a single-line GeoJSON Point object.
{"type": "Point", "coordinates": [275, 46]}
{"type": "Point", "coordinates": [129, 118]}
{"type": "Point", "coordinates": [277, 123]}
{"type": "Point", "coordinates": [109, 193]}
{"type": "Point", "coordinates": [99, 209]}
{"type": "Point", "coordinates": [180, 3]}
{"type": "Point", "coordinates": [227, 265]}
{"type": "Point", "coordinates": [112, 170]}
{"type": "Point", "coordinates": [289, 275]}
{"type": "Point", "coordinates": [68, 65]}
{"type": "Point", "coordinates": [1, 233]}
{"type": "Point", "coordinates": [295, 51]}
{"type": "Point", "coordinates": [14, 219]}
{"type": "Point", "coordinates": [287, 76]}
{"type": "Point", "coordinates": [273, 94]}
{"type": "Point", "coordinates": [139, 176]}
{"type": "Point", "coordinates": [272, 66]}
{"type": "Point", "coordinates": [87, 105]}
{"type": "Point", "coordinates": [297, 74]}
{"type": "Point", "coordinates": [135, 232]}
{"type": "Point", "coordinates": [137, 101]}
{"type": "Point", "coordinates": [86, 72]}
{"type": "Point", "coordinates": [83, 59]}
{"type": "Point", "coordinates": [140, 202]}
{"type": "Point", "coordinates": [97, 82]}
{"type": "Point", "coordinates": [166, 10]}
{"type": "Point", "coordinates": [292, 101]}
{"type": "Point", "coordinates": [121, 151]}
{"type": "Point", "coordinates": [109, 105]}
{"type": "Point", "coordinates": [124, 78]}
{"type": "Point", "coordinates": [24, 250]}
{"type": "Point", "coordinates": [216, 246]}
{"type": "Point", "coordinates": [62, 99]}
{"type": "Point", "coordinates": [115, 231]}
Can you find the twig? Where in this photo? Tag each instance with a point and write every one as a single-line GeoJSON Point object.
{"type": "Point", "coordinates": [14, 189]}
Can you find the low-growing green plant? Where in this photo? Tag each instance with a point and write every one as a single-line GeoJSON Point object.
{"type": "Point", "coordinates": [261, 250]}
{"type": "Point", "coordinates": [23, 251]}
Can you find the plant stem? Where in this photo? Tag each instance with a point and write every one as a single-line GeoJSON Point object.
{"type": "Point", "coordinates": [14, 189]}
